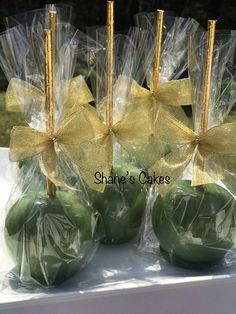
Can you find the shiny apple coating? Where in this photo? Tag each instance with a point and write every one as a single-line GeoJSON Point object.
{"type": "Point", "coordinates": [121, 207]}
{"type": "Point", "coordinates": [49, 238]}
{"type": "Point", "coordinates": [195, 225]}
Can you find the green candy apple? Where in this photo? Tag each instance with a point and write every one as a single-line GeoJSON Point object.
{"type": "Point", "coordinates": [121, 207]}
{"type": "Point", "coordinates": [195, 225]}
{"type": "Point", "coordinates": [49, 238]}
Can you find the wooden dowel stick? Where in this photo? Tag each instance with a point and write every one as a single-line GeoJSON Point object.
{"type": "Point", "coordinates": [110, 63]}
{"type": "Point", "coordinates": [97, 78]}
{"type": "Point", "coordinates": [53, 28]}
{"type": "Point", "coordinates": [157, 52]}
{"type": "Point", "coordinates": [206, 85]}
{"type": "Point", "coordinates": [49, 101]}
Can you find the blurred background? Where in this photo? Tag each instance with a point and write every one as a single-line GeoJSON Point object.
{"type": "Point", "coordinates": [93, 12]}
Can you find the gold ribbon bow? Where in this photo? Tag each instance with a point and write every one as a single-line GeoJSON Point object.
{"type": "Point", "coordinates": [21, 95]}
{"type": "Point", "coordinates": [131, 132]}
{"type": "Point", "coordinates": [84, 140]}
{"type": "Point", "coordinates": [172, 95]}
{"type": "Point", "coordinates": [79, 137]}
{"type": "Point", "coordinates": [207, 150]}
{"type": "Point", "coordinates": [175, 93]}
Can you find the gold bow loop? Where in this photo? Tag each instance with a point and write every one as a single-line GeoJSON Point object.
{"type": "Point", "coordinates": [131, 132]}
{"type": "Point", "coordinates": [21, 95]}
{"type": "Point", "coordinates": [79, 138]}
{"type": "Point", "coordinates": [175, 93]}
{"type": "Point", "coordinates": [135, 133]}
{"type": "Point", "coordinates": [84, 140]}
{"type": "Point", "coordinates": [205, 150]}
{"type": "Point", "coordinates": [171, 95]}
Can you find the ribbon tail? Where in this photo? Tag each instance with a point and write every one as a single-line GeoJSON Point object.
{"type": "Point", "coordinates": [208, 167]}
{"type": "Point", "coordinates": [172, 165]}
{"type": "Point", "coordinates": [50, 167]}
{"type": "Point", "coordinates": [90, 159]}
{"type": "Point", "coordinates": [85, 144]}
{"type": "Point", "coordinates": [171, 130]}
{"type": "Point", "coordinates": [146, 150]}
{"type": "Point", "coordinates": [134, 132]}
{"type": "Point", "coordinates": [177, 112]}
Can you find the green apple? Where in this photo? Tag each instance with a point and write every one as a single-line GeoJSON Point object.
{"type": "Point", "coordinates": [121, 207]}
{"type": "Point", "coordinates": [49, 238]}
{"type": "Point", "coordinates": [195, 225]}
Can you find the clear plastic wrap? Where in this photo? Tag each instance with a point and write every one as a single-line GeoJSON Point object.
{"type": "Point", "coordinates": [133, 112]}
{"type": "Point", "coordinates": [112, 270]}
{"type": "Point", "coordinates": [171, 92]}
{"type": "Point", "coordinates": [192, 221]}
{"type": "Point", "coordinates": [50, 235]}
{"type": "Point", "coordinates": [22, 53]}
{"type": "Point", "coordinates": [129, 60]}
{"type": "Point", "coordinates": [49, 239]}
{"type": "Point", "coordinates": [24, 68]}
{"type": "Point", "coordinates": [122, 203]}
{"type": "Point", "coordinates": [176, 31]}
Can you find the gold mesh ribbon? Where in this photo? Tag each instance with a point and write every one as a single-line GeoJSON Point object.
{"type": "Point", "coordinates": [79, 137]}
{"type": "Point", "coordinates": [175, 93]}
{"type": "Point", "coordinates": [207, 151]}
{"type": "Point", "coordinates": [84, 140]}
{"type": "Point", "coordinates": [20, 95]}
{"type": "Point", "coordinates": [171, 95]}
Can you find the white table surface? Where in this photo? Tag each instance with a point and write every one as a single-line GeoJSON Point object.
{"type": "Point", "coordinates": [119, 280]}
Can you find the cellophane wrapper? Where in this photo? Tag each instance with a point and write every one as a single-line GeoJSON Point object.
{"type": "Point", "coordinates": [122, 204]}
{"type": "Point", "coordinates": [176, 31]}
{"type": "Point", "coordinates": [133, 55]}
{"type": "Point", "coordinates": [48, 239]}
{"type": "Point", "coordinates": [173, 64]}
{"type": "Point", "coordinates": [194, 227]}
